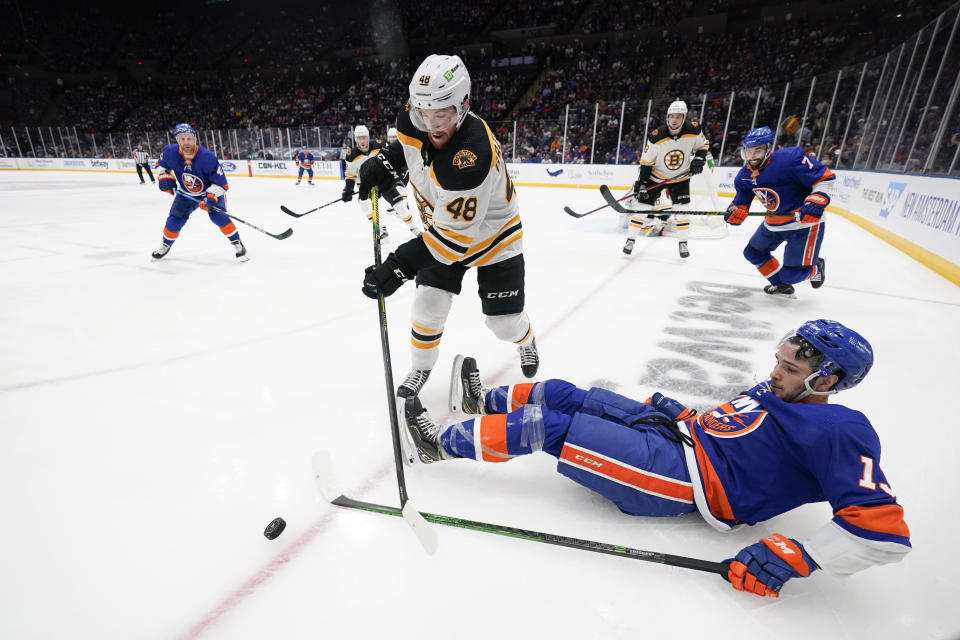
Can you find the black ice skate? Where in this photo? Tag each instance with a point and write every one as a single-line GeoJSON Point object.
{"type": "Point", "coordinates": [383, 232]}
{"type": "Point", "coordinates": [162, 251]}
{"type": "Point", "coordinates": [779, 289]}
{"type": "Point", "coordinates": [684, 251]}
{"type": "Point", "coordinates": [466, 392]}
{"type": "Point", "coordinates": [412, 384]}
{"type": "Point", "coordinates": [241, 254]}
{"type": "Point", "coordinates": [424, 431]}
{"type": "Point", "coordinates": [529, 358]}
{"type": "Point", "coordinates": [628, 247]}
{"type": "Point", "coordinates": [297, 183]}
{"type": "Point", "coordinates": [817, 281]}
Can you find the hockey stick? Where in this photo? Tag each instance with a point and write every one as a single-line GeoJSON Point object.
{"type": "Point", "coordinates": [615, 204]}
{"type": "Point", "coordinates": [300, 215]}
{"type": "Point", "coordinates": [629, 194]}
{"type": "Point", "coordinates": [424, 533]}
{"type": "Point", "coordinates": [323, 476]}
{"type": "Point", "coordinates": [279, 236]}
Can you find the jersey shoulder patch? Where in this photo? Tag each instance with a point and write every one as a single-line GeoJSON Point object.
{"type": "Point", "coordinates": [691, 126]}
{"type": "Point", "coordinates": [466, 160]}
{"type": "Point", "coordinates": [658, 135]}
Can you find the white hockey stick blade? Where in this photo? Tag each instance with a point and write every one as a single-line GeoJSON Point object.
{"type": "Point", "coordinates": [424, 532]}
{"type": "Point", "coordinates": [408, 450]}
{"type": "Point", "coordinates": [454, 396]}
{"type": "Point", "coordinates": [323, 475]}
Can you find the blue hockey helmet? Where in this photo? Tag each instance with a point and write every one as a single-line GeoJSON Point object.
{"type": "Point", "coordinates": [757, 137]}
{"type": "Point", "coordinates": [184, 127]}
{"type": "Point", "coordinates": [845, 352]}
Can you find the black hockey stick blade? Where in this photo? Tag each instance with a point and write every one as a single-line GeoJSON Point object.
{"type": "Point", "coordinates": [616, 206]}
{"type": "Point", "coordinates": [720, 568]}
{"type": "Point", "coordinates": [612, 201]}
{"type": "Point", "coordinates": [581, 215]}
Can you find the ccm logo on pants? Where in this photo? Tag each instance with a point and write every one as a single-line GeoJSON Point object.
{"type": "Point", "coordinates": [503, 294]}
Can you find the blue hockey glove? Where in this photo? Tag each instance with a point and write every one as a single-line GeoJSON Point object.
{"type": "Point", "coordinates": [213, 204]}
{"type": "Point", "coordinates": [385, 279]}
{"type": "Point", "coordinates": [167, 182]}
{"type": "Point", "coordinates": [763, 567]}
{"type": "Point", "coordinates": [670, 407]}
{"type": "Point", "coordinates": [736, 214]}
{"type": "Point", "coordinates": [813, 206]}
{"type": "Point", "coordinates": [377, 171]}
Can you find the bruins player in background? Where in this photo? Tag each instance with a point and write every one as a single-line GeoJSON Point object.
{"type": "Point", "coordinates": [361, 151]}
{"type": "Point", "coordinates": [672, 155]}
{"type": "Point", "coordinates": [468, 205]}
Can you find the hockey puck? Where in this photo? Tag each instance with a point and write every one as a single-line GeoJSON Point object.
{"type": "Point", "coordinates": [275, 528]}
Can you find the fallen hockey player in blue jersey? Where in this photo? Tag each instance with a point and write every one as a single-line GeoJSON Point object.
{"type": "Point", "coordinates": [771, 449]}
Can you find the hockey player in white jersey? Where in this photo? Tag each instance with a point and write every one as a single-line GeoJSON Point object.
{"type": "Point", "coordinates": [362, 150]}
{"type": "Point", "coordinates": [469, 207]}
{"type": "Point", "coordinates": [671, 155]}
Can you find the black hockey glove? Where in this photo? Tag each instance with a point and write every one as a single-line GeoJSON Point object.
{"type": "Point", "coordinates": [347, 195]}
{"type": "Point", "coordinates": [640, 190]}
{"type": "Point", "coordinates": [378, 171]}
{"type": "Point", "coordinates": [696, 165]}
{"type": "Point", "coordinates": [385, 279]}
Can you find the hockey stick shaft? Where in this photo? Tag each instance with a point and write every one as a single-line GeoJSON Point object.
{"type": "Point", "coordinates": [615, 204]}
{"type": "Point", "coordinates": [300, 215]}
{"type": "Point", "coordinates": [720, 568]}
{"type": "Point", "coordinates": [385, 348]}
{"type": "Point", "coordinates": [279, 236]}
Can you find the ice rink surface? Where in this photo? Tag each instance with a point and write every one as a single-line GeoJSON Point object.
{"type": "Point", "coordinates": [157, 415]}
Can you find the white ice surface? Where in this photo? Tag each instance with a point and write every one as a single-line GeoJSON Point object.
{"type": "Point", "coordinates": [155, 416]}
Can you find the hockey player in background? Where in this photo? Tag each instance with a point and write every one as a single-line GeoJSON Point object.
{"type": "Point", "coordinates": [469, 206]}
{"type": "Point", "coordinates": [391, 135]}
{"type": "Point", "coordinates": [188, 167]}
{"type": "Point", "coordinates": [305, 163]}
{"type": "Point", "coordinates": [672, 155]}
{"type": "Point", "coordinates": [784, 182]}
{"type": "Point", "coordinates": [362, 151]}
{"type": "Point", "coordinates": [771, 449]}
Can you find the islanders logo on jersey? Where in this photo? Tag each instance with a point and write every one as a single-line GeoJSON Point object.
{"type": "Point", "coordinates": [769, 198]}
{"type": "Point", "coordinates": [733, 419]}
{"type": "Point", "coordinates": [192, 183]}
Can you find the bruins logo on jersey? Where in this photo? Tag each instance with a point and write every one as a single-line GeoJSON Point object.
{"type": "Point", "coordinates": [673, 159]}
{"type": "Point", "coordinates": [655, 132]}
{"type": "Point", "coordinates": [464, 159]}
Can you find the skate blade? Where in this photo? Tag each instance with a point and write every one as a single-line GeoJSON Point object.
{"type": "Point", "coordinates": [455, 397]}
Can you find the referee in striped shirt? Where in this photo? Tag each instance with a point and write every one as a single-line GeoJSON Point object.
{"type": "Point", "coordinates": [141, 157]}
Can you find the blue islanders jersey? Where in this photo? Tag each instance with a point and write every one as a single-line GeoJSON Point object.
{"type": "Point", "coordinates": [781, 185]}
{"type": "Point", "coordinates": [195, 176]}
{"type": "Point", "coordinates": [305, 160]}
{"type": "Point", "coordinates": [816, 453]}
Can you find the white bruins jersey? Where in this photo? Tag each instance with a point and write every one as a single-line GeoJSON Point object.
{"type": "Point", "coordinates": [464, 194]}
{"type": "Point", "coordinates": [356, 157]}
{"type": "Point", "coordinates": [670, 155]}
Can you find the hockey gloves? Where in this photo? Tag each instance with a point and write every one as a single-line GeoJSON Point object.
{"type": "Point", "coordinates": [813, 206]}
{"type": "Point", "coordinates": [736, 214]}
{"type": "Point", "coordinates": [377, 172]}
{"type": "Point", "coordinates": [696, 165]}
{"type": "Point", "coordinates": [167, 182]}
{"type": "Point", "coordinates": [670, 407]}
{"type": "Point", "coordinates": [347, 195]}
{"type": "Point", "coordinates": [213, 204]}
{"type": "Point", "coordinates": [640, 190]}
{"type": "Point", "coordinates": [762, 568]}
{"type": "Point", "coordinates": [385, 279]}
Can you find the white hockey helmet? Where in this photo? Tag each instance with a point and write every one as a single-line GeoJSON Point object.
{"type": "Point", "coordinates": [440, 81]}
{"type": "Point", "coordinates": [361, 131]}
{"type": "Point", "coordinates": [678, 106]}
{"type": "Point", "coordinates": [392, 133]}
